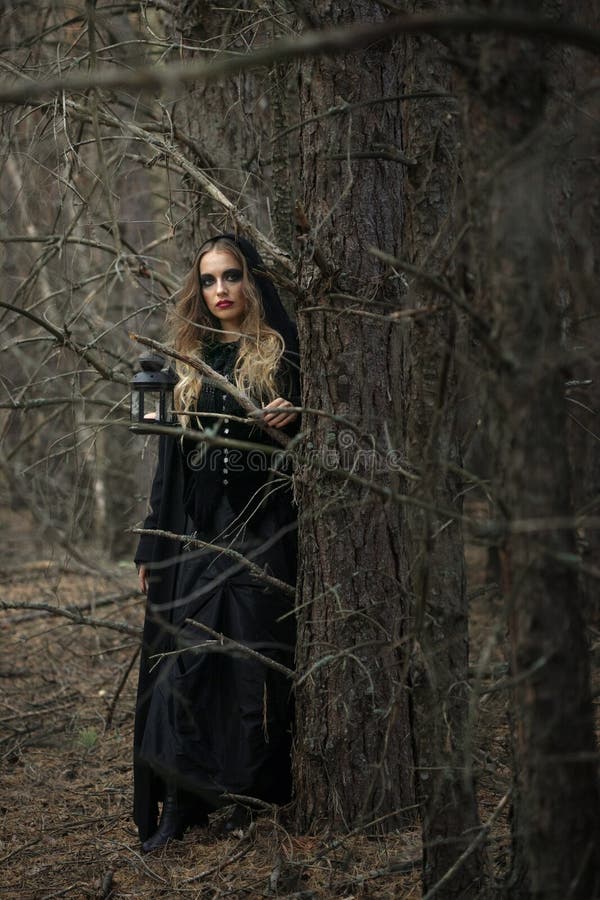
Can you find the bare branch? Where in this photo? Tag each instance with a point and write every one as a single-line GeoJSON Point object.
{"type": "Point", "coordinates": [64, 339]}
{"type": "Point", "coordinates": [469, 850]}
{"type": "Point", "coordinates": [327, 42]}
{"type": "Point", "coordinates": [74, 616]}
{"type": "Point", "coordinates": [228, 642]}
{"type": "Point", "coordinates": [255, 570]}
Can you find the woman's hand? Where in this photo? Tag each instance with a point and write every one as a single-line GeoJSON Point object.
{"type": "Point", "coordinates": [143, 579]}
{"type": "Point", "coordinates": [277, 419]}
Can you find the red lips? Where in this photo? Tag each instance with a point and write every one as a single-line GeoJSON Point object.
{"type": "Point", "coordinates": [224, 304]}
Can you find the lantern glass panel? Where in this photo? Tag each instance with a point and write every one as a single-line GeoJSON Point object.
{"type": "Point", "coordinates": [135, 405]}
{"type": "Point", "coordinates": [152, 408]}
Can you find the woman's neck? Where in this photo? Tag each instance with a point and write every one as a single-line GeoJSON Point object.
{"type": "Point", "coordinates": [225, 336]}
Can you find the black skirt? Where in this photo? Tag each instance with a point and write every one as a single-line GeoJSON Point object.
{"type": "Point", "coordinates": [218, 721]}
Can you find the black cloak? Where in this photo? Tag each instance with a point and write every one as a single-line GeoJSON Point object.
{"type": "Point", "coordinates": [205, 712]}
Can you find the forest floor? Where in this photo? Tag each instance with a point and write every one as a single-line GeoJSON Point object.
{"type": "Point", "coordinates": [66, 722]}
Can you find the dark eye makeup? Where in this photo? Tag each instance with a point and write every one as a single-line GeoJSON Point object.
{"type": "Point", "coordinates": [231, 275]}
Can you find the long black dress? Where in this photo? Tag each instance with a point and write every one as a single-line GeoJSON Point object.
{"type": "Point", "coordinates": [215, 722]}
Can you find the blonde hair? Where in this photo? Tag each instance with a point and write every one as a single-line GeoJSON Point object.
{"type": "Point", "coordinates": [190, 325]}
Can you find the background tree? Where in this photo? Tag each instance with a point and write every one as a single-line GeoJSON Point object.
{"type": "Point", "coordinates": [580, 323]}
{"type": "Point", "coordinates": [520, 129]}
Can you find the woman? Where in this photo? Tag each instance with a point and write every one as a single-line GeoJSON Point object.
{"type": "Point", "coordinates": [210, 724]}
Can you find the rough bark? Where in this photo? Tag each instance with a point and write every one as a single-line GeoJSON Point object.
{"type": "Point", "coordinates": [434, 547]}
{"type": "Point", "coordinates": [353, 760]}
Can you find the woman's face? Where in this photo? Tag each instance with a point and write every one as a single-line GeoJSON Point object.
{"type": "Point", "coordinates": [221, 280]}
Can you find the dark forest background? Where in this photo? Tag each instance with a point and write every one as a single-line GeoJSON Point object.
{"type": "Point", "coordinates": [422, 180]}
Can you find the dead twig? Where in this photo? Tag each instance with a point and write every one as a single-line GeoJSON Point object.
{"type": "Point", "coordinates": [468, 850]}
{"type": "Point", "coordinates": [113, 703]}
{"type": "Point", "coordinates": [228, 642]}
{"type": "Point", "coordinates": [74, 616]}
{"type": "Point", "coordinates": [255, 570]}
{"type": "Point", "coordinates": [248, 840]}
{"type": "Point", "coordinates": [106, 886]}
{"type": "Point", "coordinates": [394, 868]}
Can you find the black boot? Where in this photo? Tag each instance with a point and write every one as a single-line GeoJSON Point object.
{"type": "Point", "coordinates": [172, 823]}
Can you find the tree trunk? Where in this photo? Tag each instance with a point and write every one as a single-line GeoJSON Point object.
{"type": "Point", "coordinates": [434, 549]}
{"type": "Point", "coordinates": [353, 759]}
{"type": "Point", "coordinates": [556, 812]}
{"type": "Point", "coordinates": [554, 740]}
{"type": "Point", "coordinates": [583, 235]}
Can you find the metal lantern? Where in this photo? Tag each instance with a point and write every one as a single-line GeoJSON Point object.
{"type": "Point", "coordinates": [152, 393]}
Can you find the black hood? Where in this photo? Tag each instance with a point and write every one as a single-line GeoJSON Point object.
{"type": "Point", "coordinates": [275, 313]}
